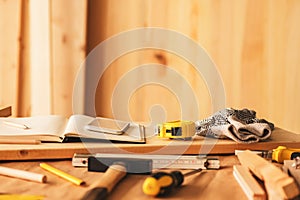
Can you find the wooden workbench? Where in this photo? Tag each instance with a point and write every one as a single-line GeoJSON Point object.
{"type": "Point", "coordinates": [209, 184]}
{"type": "Point", "coordinates": [154, 145]}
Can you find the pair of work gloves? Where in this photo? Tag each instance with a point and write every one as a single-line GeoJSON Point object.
{"type": "Point", "coordinates": [241, 126]}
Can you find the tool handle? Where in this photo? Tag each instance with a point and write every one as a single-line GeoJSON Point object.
{"type": "Point", "coordinates": [112, 176]}
{"type": "Point", "coordinates": [107, 182]}
{"type": "Point", "coordinates": [162, 183]}
{"type": "Point", "coordinates": [282, 153]}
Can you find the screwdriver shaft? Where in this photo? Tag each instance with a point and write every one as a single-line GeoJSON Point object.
{"type": "Point", "coordinates": [192, 172]}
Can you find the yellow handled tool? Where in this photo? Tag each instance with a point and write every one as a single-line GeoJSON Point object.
{"type": "Point", "coordinates": [279, 154]}
{"type": "Point", "coordinates": [282, 153]}
{"type": "Point", "coordinates": [162, 183]}
{"type": "Point", "coordinates": [176, 129]}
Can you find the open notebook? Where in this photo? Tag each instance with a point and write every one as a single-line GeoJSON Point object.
{"type": "Point", "coordinates": [54, 128]}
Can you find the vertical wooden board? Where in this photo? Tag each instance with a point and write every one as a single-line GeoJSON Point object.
{"type": "Point", "coordinates": [282, 43]}
{"type": "Point", "coordinates": [158, 14]}
{"type": "Point", "coordinates": [10, 15]}
{"type": "Point", "coordinates": [203, 19]}
{"type": "Point", "coordinates": [223, 31]}
{"type": "Point", "coordinates": [24, 76]}
{"type": "Point", "coordinates": [97, 19]}
{"type": "Point", "coordinates": [142, 98]}
{"type": "Point", "coordinates": [183, 18]}
{"type": "Point", "coordinates": [232, 73]}
{"type": "Point", "coordinates": [274, 61]}
{"type": "Point", "coordinates": [121, 19]}
{"type": "Point", "coordinates": [252, 65]}
{"type": "Point", "coordinates": [291, 65]}
{"type": "Point", "coordinates": [40, 57]}
{"type": "Point", "coordinates": [118, 20]}
{"type": "Point", "coordinates": [68, 50]}
{"type": "Point", "coordinates": [97, 14]}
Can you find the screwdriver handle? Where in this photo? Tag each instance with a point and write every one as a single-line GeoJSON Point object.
{"type": "Point", "coordinates": [282, 153]}
{"type": "Point", "coordinates": [162, 183]}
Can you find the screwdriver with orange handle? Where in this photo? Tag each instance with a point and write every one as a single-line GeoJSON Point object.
{"type": "Point", "coordinates": [163, 183]}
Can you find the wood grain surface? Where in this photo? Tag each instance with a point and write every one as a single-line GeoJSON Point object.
{"type": "Point", "coordinates": [199, 186]}
{"type": "Point", "coordinates": [5, 111]}
{"type": "Point", "coordinates": [154, 145]}
{"type": "Point", "coordinates": [9, 51]}
{"type": "Point", "coordinates": [253, 43]}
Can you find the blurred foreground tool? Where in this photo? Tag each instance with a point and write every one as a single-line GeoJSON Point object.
{"type": "Point", "coordinates": [279, 154]}
{"type": "Point", "coordinates": [176, 129]}
{"type": "Point", "coordinates": [277, 183]}
{"type": "Point", "coordinates": [282, 153]}
{"type": "Point", "coordinates": [133, 165]}
{"type": "Point", "coordinates": [250, 186]}
{"type": "Point", "coordinates": [162, 183]}
{"type": "Point", "coordinates": [107, 182]}
{"type": "Point", "coordinates": [20, 197]}
{"type": "Point", "coordinates": [289, 166]}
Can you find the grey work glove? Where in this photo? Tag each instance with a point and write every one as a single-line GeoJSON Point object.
{"type": "Point", "coordinates": [239, 125]}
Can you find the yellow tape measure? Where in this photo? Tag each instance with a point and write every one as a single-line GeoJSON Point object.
{"type": "Point", "coordinates": [176, 129]}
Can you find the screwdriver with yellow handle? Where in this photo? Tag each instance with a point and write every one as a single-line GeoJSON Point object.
{"type": "Point", "coordinates": [163, 183]}
{"type": "Point", "coordinates": [282, 153]}
{"type": "Point", "coordinates": [278, 154]}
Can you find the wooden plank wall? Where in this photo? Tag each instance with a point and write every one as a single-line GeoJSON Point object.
{"type": "Point", "coordinates": [9, 51]}
{"type": "Point", "coordinates": [255, 45]}
{"type": "Point", "coordinates": [68, 50]}
{"type": "Point", "coordinates": [42, 46]}
{"type": "Point", "coordinates": [40, 57]}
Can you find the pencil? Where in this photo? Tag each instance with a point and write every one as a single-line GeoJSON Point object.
{"type": "Point", "coordinates": [62, 174]}
{"type": "Point", "coordinates": [19, 141]}
{"type": "Point", "coordinates": [16, 125]}
{"type": "Point", "coordinates": [17, 173]}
